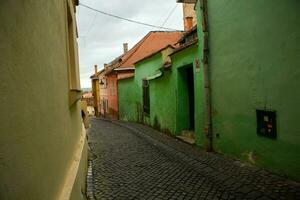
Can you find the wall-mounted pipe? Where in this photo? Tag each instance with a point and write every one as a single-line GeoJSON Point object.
{"type": "Point", "coordinates": [206, 73]}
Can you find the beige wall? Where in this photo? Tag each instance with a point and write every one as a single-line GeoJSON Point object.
{"type": "Point", "coordinates": [39, 131]}
{"type": "Point", "coordinates": [188, 11]}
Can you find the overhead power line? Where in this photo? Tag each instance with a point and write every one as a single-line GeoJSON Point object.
{"type": "Point", "coordinates": [169, 15]}
{"type": "Point", "coordinates": [129, 20]}
{"type": "Point", "coordinates": [91, 25]}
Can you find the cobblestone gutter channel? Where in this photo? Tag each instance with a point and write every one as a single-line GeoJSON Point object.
{"type": "Point", "coordinates": [203, 175]}
{"type": "Point", "coordinates": [90, 177]}
{"type": "Point", "coordinates": [90, 185]}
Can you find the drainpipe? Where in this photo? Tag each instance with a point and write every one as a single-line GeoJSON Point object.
{"type": "Point", "coordinates": [207, 89]}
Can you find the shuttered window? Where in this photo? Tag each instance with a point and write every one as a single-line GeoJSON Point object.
{"type": "Point", "coordinates": [146, 97]}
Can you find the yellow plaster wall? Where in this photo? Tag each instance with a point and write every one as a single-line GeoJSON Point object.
{"type": "Point", "coordinates": [39, 132]}
{"type": "Point", "coordinates": [96, 94]}
{"type": "Point", "coordinates": [166, 54]}
{"type": "Point", "coordinates": [79, 188]}
{"type": "Point", "coordinates": [84, 108]}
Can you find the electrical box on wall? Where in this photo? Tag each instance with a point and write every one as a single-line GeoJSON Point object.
{"type": "Point", "coordinates": [266, 123]}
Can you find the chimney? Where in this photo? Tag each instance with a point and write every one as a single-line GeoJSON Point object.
{"type": "Point", "coordinates": [189, 16]}
{"type": "Point", "coordinates": [96, 69]}
{"type": "Point", "coordinates": [105, 66]}
{"type": "Point", "coordinates": [188, 23]}
{"type": "Point", "coordinates": [125, 47]}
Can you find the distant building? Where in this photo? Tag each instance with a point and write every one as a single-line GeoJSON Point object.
{"type": "Point", "coordinates": [43, 148]}
{"type": "Point", "coordinates": [123, 68]}
{"type": "Point", "coordinates": [96, 91]}
{"type": "Point", "coordinates": [88, 97]}
{"type": "Point", "coordinates": [166, 90]}
{"type": "Point", "coordinates": [90, 110]}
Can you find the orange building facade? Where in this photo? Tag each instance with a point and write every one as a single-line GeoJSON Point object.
{"type": "Point", "coordinates": [109, 107]}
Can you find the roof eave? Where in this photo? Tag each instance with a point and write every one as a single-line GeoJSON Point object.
{"type": "Point", "coordinates": [124, 69]}
{"type": "Point", "coordinates": [184, 47]}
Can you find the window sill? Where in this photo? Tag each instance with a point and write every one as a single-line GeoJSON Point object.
{"type": "Point", "coordinates": [74, 96]}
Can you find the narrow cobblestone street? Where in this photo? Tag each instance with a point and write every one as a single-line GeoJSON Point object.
{"type": "Point", "coordinates": [131, 161]}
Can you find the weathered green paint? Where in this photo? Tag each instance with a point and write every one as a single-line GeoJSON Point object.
{"type": "Point", "coordinates": [180, 60]}
{"type": "Point", "coordinates": [167, 94]}
{"type": "Point", "coordinates": [254, 64]}
{"type": "Point", "coordinates": [129, 100]}
{"type": "Point", "coordinates": [130, 92]}
{"type": "Point", "coordinates": [162, 102]}
{"type": "Point", "coordinates": [39, 132]}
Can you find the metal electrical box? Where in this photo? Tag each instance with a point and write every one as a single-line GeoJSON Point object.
{"type": "Point", "coordinates": [266, 123]}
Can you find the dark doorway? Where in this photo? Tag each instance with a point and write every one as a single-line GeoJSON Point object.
{"type": "Point", "coordinates": [185, 100]}
{"type": "Point", "coordinates": [191, 97]}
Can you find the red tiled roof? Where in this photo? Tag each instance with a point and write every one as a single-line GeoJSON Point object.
{"type": "Point", "coordinates": [155, 52]}
{"type": "Point", "coordinates": [151, 43]}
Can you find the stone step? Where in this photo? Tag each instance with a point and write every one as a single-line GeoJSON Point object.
{"type": "Point", "coordinates": [186, 139]}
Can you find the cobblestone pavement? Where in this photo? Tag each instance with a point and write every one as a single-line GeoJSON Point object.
{"type": "Point", "coordinates": [132, 161]}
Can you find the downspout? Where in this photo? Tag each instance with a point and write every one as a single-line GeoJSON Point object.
{"type": "Point", "coordinates": [206, 73]}
{"type": "Point", "coordinates": [117, 92]}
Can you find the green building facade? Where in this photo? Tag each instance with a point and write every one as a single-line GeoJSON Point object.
{"type": "Point", "coordinates": [254, 66]}
{"type": "Point", "coordinates": [254, 71]}
{"type": "Point", "coordinates": [173, 93]}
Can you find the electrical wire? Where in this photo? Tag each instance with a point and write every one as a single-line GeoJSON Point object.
{"type": "Point", "coordinates": [91, 25]}
{"type": "Point", "coordinates": [89, 29]}
{"type": "Point", "coordinates": [169, 15]}
{"type": "Point", "coordinates": [129, 20]}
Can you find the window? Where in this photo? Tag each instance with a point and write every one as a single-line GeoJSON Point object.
{"type": "Point", "coordinates": [146, 97]}
{"type": "Point", "coordinates": [73, 70]}
{"type": "Point", "coordinates": [105, 105]}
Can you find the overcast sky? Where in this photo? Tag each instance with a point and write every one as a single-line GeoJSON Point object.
{"type": "Point", "coordinates": [101, 37]}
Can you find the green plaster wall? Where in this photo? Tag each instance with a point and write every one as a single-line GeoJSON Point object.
{"type": "Point", "coordinates": [163, 102]}
{"type": "Point", "coordinates": [254, 64]}
{"type": "Point", "coordinates": [180, 60]}
{"type": "Point", "coordinates": [129, 100]}
{"type": "Point", "coordinates": [130, 91]}
{"type": "Point", "coordinates": [166, 93]}
{"type": "Point", "coordinates": [143, 69]}
{"type": "Point", "coordinates": [39, 131]}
